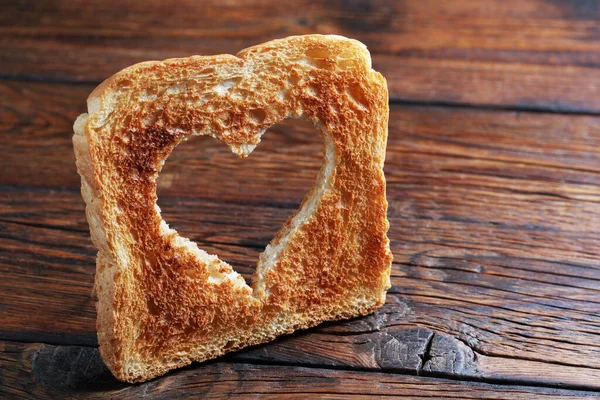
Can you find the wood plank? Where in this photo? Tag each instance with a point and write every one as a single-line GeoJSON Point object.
{"type": "Point", "coordinates": [540, 54]}
{"type": "Point", "coordinates": [494, 229]}
{"type": "Point", "coordinates": [37, 119]}
{"type": "Point", "coordinates": [449, 313]}
{"type": "Point", "coordinates": [522, 150]}
{"type": "Point", "coordinates": [42, 371]}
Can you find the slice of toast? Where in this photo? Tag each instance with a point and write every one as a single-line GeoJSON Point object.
{"type": "Point", "coordinates": [162, 301]}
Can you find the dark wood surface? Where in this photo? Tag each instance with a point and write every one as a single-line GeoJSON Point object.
{"type": "Point", "coordinates": [534, 54]}
{"type": "Point", "coordinates": [493, 171]}
{"type": "Point", "coordinates": [78, 372]}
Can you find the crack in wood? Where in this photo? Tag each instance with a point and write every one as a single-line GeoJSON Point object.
{"type": "Point", "coordinates": [449, 356]}
{"type": "Point", "coordinates": [426, 355]}
{"type": "Point", "coordinates": [70, 369]}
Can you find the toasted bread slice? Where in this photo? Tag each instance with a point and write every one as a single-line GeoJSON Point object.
{"type": "Point", "coordinates": [162, 301]}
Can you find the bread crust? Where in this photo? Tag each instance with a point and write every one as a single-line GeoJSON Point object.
{"type": "Point", "coordinates": [162, 302]}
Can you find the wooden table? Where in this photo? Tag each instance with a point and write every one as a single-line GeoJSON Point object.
{"type": "Point", "coordinates": [493, 170]}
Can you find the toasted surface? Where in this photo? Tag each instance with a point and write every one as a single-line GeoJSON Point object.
{"type": "Point", "coordinates": [162, 301]}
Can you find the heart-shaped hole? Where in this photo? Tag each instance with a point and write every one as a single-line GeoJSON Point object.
{"type": "Point", "coordinates": [233, 207]}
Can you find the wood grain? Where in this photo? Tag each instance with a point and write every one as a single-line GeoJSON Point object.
{"type": "Point", "coordinates": [494, 210]}
{"type": "Point", "coordinates": [42, 371]}
{"type": "Point", "coordinates": [538, 54]}
{"type": "Point", "coordinates": [448, 316]}
{"type": "Point", "coordinates": [494, 229]}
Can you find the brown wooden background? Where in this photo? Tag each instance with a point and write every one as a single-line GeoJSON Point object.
{"type": "Point", "coordinates": [493, 170]}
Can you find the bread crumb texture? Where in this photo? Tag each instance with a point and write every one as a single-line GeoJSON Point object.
{"type": "Point", "coordinates": [162, 301]}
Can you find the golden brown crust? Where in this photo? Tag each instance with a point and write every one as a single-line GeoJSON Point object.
{"type": "Point", "coordinates": [163, 302]}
